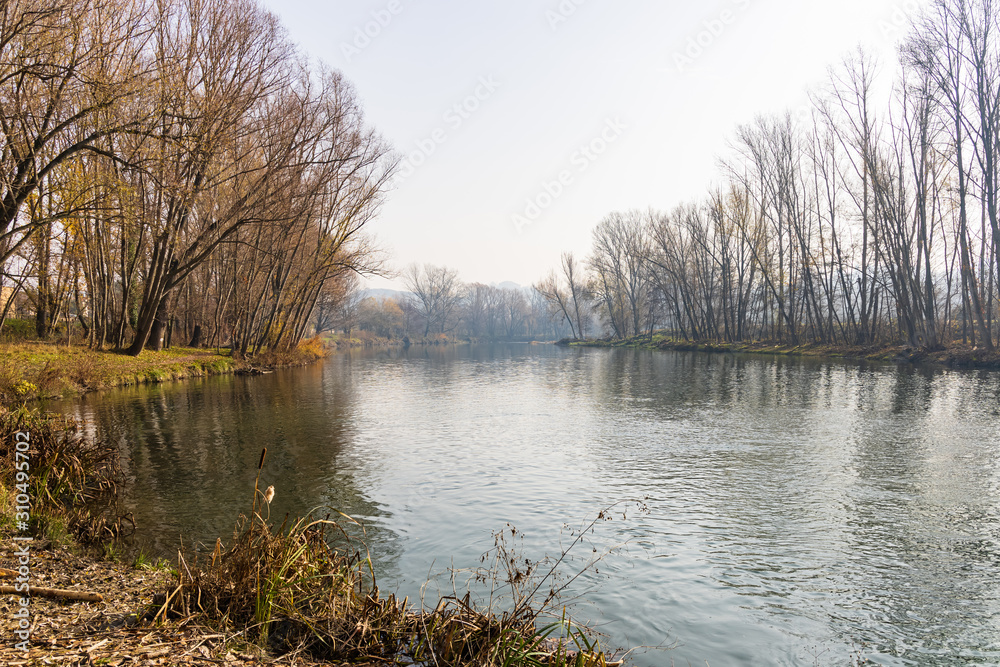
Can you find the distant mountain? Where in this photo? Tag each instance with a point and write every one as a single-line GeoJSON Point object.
{"type": "Point", "coordinates": [510, 285]}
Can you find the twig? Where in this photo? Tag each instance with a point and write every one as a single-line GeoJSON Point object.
{"type": "Point", "coordinates": [98, 645]}
{"type": "Point", "coordinates": [79, 596]}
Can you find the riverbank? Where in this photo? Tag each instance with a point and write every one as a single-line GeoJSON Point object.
{"type": "Point", "coordinates": [267, 594]}
{"type": "Point", "coordinates": [963, 357]}
{"type": "Point", "coordinates": [31, 370]}
{"type": "Point", "coordinates": [122, 628]}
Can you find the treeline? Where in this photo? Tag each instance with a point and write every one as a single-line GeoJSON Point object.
{"type": "Point", "coordinates": [440, 307]}
{"type": "Point", "coordinates": [864, 221]}
{"type": "Point", "coordinates": [177, 170]}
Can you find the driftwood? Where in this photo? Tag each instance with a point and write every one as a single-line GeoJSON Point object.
{"type": "Point", "coordinates": [253, 370]}
{"type": "Point", "coordinates": [81, 596]}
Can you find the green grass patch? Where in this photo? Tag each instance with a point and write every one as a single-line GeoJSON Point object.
{"type": "Point", "coordinates": [144, 561]}
{"type": "Point", "coordinates": [33, 370]}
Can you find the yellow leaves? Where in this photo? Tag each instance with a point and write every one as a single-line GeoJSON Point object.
{"type": "Point", "coordinates": [25, 388]}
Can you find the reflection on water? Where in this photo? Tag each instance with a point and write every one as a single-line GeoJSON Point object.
{"type": "Point", "coordinates": [800, 510]}
{"type": "Point", "coordinates": [191, 451]}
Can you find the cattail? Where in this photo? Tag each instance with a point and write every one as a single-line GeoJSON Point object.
{"type": "Point", "coordinates": [217, 554]}
{"type": "Point", "coordinates": [269, 494]}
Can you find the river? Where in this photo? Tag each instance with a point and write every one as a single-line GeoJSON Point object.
{"type": "Point", "coordinates": [798, 511]}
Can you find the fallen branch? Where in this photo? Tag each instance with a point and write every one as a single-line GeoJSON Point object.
{"type": "Point", "coordinates": [39, 591]}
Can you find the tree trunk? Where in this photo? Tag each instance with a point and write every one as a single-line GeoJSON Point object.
{"type": "Point", "coordinates": [196, 337]}
{"type": "Point", "coordinates": [156, 333]}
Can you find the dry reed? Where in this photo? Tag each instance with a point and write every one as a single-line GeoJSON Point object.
{"type": "Point", "coordinates": [288, 590]}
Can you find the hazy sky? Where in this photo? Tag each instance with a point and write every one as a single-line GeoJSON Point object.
{"type": "Point", "coordinates": [579, 107]}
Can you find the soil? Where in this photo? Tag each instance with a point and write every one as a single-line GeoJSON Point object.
{"type": "Point", "coordinates": [121, 629]}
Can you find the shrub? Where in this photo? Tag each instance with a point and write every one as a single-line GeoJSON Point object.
{"type": "Point", "coordinates": [18, 329]}
{"type": "Point", "coordinates": [68, 475]}
{"type": "Point", "coordinates": [312, 349]}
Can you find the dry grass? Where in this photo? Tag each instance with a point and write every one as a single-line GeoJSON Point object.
{"type": "Point", "coordinates": [71, 480]}
{"type": "Point", "coordinates": [307, 352]}
{"type": "Point", "coordinates": [284, 594]}
{"type": "Point", "coordinates": [290, 592]}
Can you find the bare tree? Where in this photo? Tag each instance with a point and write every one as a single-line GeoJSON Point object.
{"type": "Point", "coordinates": [620, 277]}
{"type": "Point", "coordinates": [437, 293]}
{"type": "Point", "coordinates": [69, 73]}
{"type": "Point", "coordinates": [568, 298]}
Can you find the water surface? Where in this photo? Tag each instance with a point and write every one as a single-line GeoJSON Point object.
{"type": "Point", "coordinates": [800, 512]}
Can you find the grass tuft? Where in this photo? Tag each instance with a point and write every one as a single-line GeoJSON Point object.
{"type": "Point", "coordinates": [303, 587]}
{"type": "Point", "coordinates": [289, 591]}
{"type": "Point", "coordinates": [71, 480]}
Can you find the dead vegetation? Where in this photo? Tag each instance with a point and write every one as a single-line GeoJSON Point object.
{"type": "Point", "coordinates": [71, 479]}
{"type": "Point", "coordinates": [288, 591]}
{"type": "Point", "coordinates": [300, 593]}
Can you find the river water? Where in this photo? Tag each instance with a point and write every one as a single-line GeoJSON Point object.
{"type": "Point", "coordinates": [798, 511]}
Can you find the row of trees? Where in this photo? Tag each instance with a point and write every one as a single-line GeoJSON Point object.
{"type": "Point", "coordinates": [177, 168]}
{"type": "Point", "coordinates": [863, 221]}
{"type": "Point", "coordinates": [440, 305]}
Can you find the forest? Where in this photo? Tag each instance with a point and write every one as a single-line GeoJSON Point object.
{"type": "Point", "coordinates": [869, 218]}
{"type": "Point", "coordinates": [439, 307]}
{"type": "Point", "coordinates": [178, 172]}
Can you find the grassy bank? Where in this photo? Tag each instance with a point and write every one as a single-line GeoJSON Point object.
{"type": "Point", "coordinates": [266, 594]}
{"type": "Point", "coordinates": [955, 356]}
{"type": "Point", "coordinates": [31, 370]}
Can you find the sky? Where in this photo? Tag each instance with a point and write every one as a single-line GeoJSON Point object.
{"type": "Point", "coordinates": [522, 123]}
